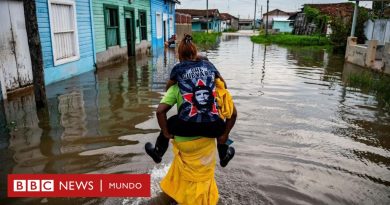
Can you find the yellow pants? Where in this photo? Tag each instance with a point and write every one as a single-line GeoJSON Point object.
{"type": "Point", "coordinates": [190, 179]}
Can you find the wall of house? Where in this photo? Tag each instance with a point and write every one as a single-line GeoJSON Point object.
{"type": "Point", "coordinates": [106, 56]}
{"type": "Point", "coordinates": [282, 26]}
{"type": "Point", "coordinates": [215, 25]}
{"type": "Point", "coordinates": [234, 23]}
{"type": "Point", "coordinates": [271, 17]}
{"type": "Point", "coordinates": [196, 26]}
{"type": "Point", "coordinates": [84, 26]}
{"type": "Point", "coordinates": [160, 7]}
{"type": "Point", "coordinates": [224, 25]}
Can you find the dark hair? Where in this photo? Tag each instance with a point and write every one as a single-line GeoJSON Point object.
{"type": "Point", "coordinates": [187, 49]}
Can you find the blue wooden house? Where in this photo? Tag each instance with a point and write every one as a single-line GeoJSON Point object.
{"type": "Point", "coordinates": [66, 33]}
{"type": "Point", "coordinates": [163, 21]}
{"type": "Point", "coordinates": [200, 20]}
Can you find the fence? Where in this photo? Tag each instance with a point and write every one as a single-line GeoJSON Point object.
{"type": "Point", "coordinates": [378, 30]}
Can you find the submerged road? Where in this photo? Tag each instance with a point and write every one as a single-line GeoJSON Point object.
{"type": "Point", "coordinates": [302, 136]}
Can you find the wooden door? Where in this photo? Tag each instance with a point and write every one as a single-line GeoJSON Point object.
{"type": "Point", "coordinates": [130, 32]}
{"type": "Point", "coordinates": [15, 61]}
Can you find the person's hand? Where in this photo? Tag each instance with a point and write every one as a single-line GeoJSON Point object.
{"type": "Point", "coordinates": [168, 135]}
{"type": "Point", "coordinates": [222, 139]}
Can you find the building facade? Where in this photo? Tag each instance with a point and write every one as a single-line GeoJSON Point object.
{"type": "Point", "coordinates": [66, 34]}
{"type": "Point", "coordinates": [122, 29]}
{"type": "Point", "coordinates": [277, 14]}
{"type": "Point", "coordinates": [283, 25]}
{"type": "Point", "coordinates": [199, 19]}
{"type": "Point", "coordinates": [228, 22]}
{"type": "Point", "coordinates": [163, 21]}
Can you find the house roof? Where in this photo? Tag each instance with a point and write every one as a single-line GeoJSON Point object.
{"type": "Point", "coordinates": [245, 20]}
{"type": "Point", "coordinates": [199, 13]}
{"type": "Point", "coordinates": [278, 12]}
{"type": "Point", "coordinates": [281, 19]}
{"type": "Point", "coordinates": [341, 9]}
{"type": "Point", "coordinates": [227, 16]}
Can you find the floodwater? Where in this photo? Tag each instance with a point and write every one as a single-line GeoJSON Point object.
{"type": "Point", "coordinates": [302, 136]}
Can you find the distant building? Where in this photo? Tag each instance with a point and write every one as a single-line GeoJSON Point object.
{"type": "Point", "coordinates": [303, 27]}
{"type": "Point", "coordinates": [276, 13]}
{"type": "Point", "coordinates": [163, 21]}
{"type": "Point", "coordinates": [228, 22]}
{"type": "Point", "coordinates": [282, 25]}
{"type": "Point", "coordinates": [245, 24]}
{"type": "Point", "coordinates": [199, 19]}
{"type": "Point", "coordinates": [122, 29]}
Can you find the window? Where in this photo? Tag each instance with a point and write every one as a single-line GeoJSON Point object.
{"type": "Point", "coordinates": [64, 37]}
{"type": "Point", "coordinates": [112, 26]}
{"type": "Point", "coordinates": [159, 25]}
{"type": "Point", "coordinates": [203, 26]}
{"type": "Point", "coordinates": [171, 29]}
{"type": "Point", "coordinates": [142, 25]}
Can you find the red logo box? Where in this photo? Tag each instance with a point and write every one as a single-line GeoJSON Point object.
{"type": "Point", "coordinates": [79, 185]}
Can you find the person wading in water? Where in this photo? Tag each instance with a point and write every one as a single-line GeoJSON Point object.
{"type": "Point", "coordinates": [197, 114]}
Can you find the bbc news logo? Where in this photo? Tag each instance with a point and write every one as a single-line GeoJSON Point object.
{"type": "Point", "coordinates": [79, 185]}
{"type": "Point", "coordinates": [33, 185]}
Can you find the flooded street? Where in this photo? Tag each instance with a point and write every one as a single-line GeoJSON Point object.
{"type": "Point", "coordinates": [302, 136]}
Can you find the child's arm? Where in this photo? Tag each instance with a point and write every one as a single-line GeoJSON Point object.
{"type": "Point", "coordinates": [169, 84]}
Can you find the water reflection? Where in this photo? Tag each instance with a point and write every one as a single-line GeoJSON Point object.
{"type": "Point", "coordinates": [88, 112]}
{"type": "Point", "coordinates": [314, 140]}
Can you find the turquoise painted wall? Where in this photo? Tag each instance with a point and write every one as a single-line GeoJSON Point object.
{"type": "Point", "coordinates": [98, 18]}
{"type": "Point", "coordinates": [196, 26]}
{"type": "Point", "coordinates": [283, 26]}
{"type": "Point", "coordinates": [84, 26]}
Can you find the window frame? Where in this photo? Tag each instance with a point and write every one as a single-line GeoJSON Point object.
{"type": "Point", "coordinates": [118, 34]}
{"type": "Point", "coordinates": [140, 24]}
{"type": "Point", "coordinates": [75, 32]}
{"type": "Point", "coordinates": [159, 30]}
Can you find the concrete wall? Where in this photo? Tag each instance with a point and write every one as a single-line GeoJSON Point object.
{"type": "Point", "coordinates": [84, 26]}
{"type": "Point", "coordinates": [361, 55]}
{"type": "Point", "coordinates": [234, 23]}
{"type": "Point", "coordinates": [181, 29]}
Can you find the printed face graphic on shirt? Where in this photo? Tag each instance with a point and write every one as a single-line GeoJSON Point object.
{"type": "Point", "coordinates": [201, 99]}
{"type": "Point", "coordinates": [202, 96]}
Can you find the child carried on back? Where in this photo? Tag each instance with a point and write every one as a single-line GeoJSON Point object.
{"type": "Point", "coordinates": [198, 114]}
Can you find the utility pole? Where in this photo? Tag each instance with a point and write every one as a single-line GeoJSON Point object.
{"type": "Point", "coordinates": [34, 44]}
{"type": "Point", "coordinates": [254, 18]}
{"type": "Point", "coordinates": [261, 12]}
{"type": "Point", "coordinates": [207, 15]}
{"type": "Point", "coordinates": [266, 23]}
{"type": "Point", "coordinates": [354, 20]}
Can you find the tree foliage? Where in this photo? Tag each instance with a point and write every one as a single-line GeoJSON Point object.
{"type": "Point", "coordinates": [341, 28]}
{"type": "Point", "coordinates": [314, 15]}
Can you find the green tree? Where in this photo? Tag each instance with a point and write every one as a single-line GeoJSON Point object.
{"type": "Point", "coordinates": [378, 8]}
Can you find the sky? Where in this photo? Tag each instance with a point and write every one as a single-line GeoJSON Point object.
{"type": "Point", "coordinates": [246, 8]}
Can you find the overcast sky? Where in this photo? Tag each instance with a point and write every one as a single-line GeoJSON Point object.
{"type": "Point", "coordinates": [246, 8]}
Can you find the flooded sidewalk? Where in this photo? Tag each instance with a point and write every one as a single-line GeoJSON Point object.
{"type": "Point", "coordinates": [302, 136]}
